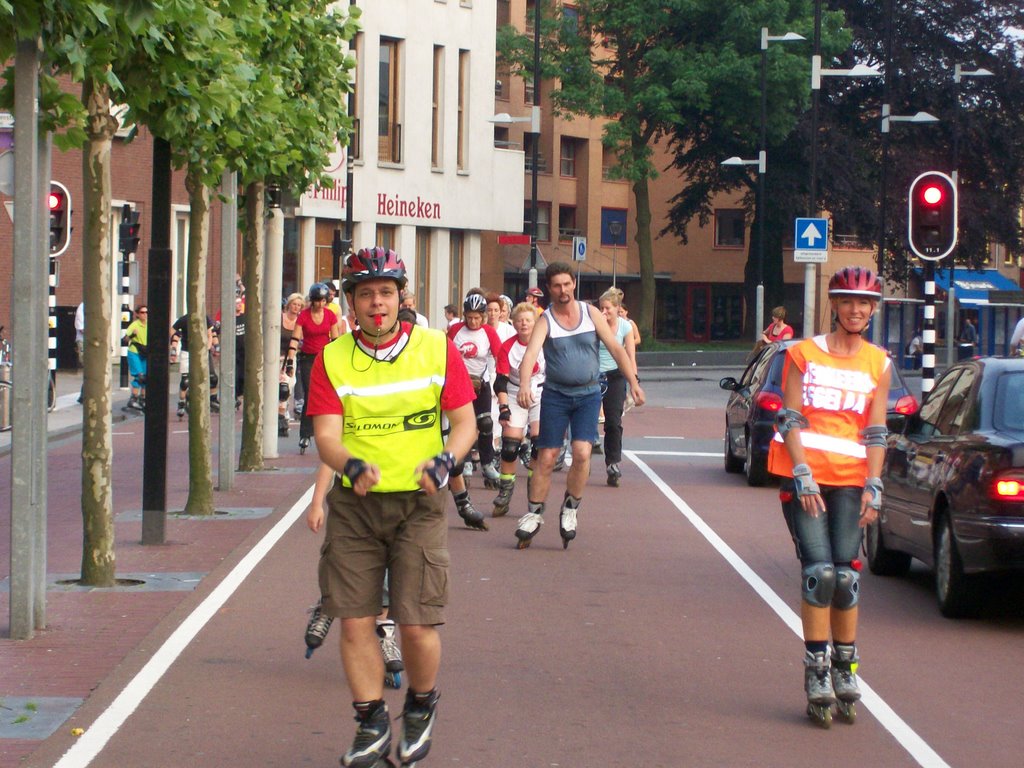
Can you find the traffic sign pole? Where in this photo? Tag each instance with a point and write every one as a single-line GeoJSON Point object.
{"type": "Point", "coordinates": [810, 240]}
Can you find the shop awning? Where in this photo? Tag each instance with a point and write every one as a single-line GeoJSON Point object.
{"type": "Point", "coordinates": [985, 287]}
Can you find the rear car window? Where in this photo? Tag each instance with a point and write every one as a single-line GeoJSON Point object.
{"type": "Point", "coordinates": [1009, 410]}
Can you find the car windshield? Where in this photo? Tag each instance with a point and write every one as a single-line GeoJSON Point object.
{"type": "Point", "coordinates": [1009, 407]}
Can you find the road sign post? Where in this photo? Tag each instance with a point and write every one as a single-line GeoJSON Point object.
{"type": "Point", "coordinates": [810, 247]}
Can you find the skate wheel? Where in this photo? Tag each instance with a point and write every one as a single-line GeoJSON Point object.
{"type": "Point", "coordinates": [393, 680]}
{"type": "Point", "coordinates": [523, 544]}
{"type": "Point", "coordinates": [565, 543]}
{"type": "Point", "coordinates": [821, 714]}
{"type": "Point", "coordinates": [847, 711]}
{"type": "Point", "coordinates": [309, 652]}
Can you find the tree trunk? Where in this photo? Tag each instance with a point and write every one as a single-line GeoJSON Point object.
{"type": "Point", "coordinates": [250, 457]}
{"type": "Point", "coordinates": [645, 251]}
{"type": "Point", "coordinates": [97, 449]}
{"type": "Point", "coordinates": [200, 462]}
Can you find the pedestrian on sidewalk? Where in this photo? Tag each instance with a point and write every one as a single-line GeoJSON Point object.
{"type": "Point", "coordinates": [568, 331]}
{"type": "Point", "coordinates": [832, 431]}
{"type": "Point", "coordinates": [376, 397]}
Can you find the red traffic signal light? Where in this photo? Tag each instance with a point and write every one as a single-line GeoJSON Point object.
{"type": "Point", "coordinates": [128, 231]}
{"type": "Point", "coordinates": [58, 203]}
{"type": "Point", "coordinates": [932, 215]}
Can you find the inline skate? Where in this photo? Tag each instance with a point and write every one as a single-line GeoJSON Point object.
{"type": "Point", "coordinates": [417, 727]}
{"type": "Point", "coordinates": [567, 519]}
{"type": "Point", "coordinates": [373, 739]}
{"type": "Point", "coordinates": [504, 497]}
{"type": "Point", "coordinates": [818, 686]}
{"type": "Point", "coordinates": [844, 681]}
{"type": "Point", "coordinates": [392, 654]}
{"type": "Point", "coordinates": [317, 628]}
{"type": "Point", "coordinates": [529, 525]}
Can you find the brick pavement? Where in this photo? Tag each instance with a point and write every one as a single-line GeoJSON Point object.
{"type": "Point", "coordinates": [89, 633]}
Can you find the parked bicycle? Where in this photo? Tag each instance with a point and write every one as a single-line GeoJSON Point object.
{"type": "Point", "coordinates": [7, 385]}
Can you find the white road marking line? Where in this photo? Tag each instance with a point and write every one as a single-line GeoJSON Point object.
{"type": "Point", "coordinates": [96, 736]}
{"type": "Point", "coordinates": [663, 437]}
{"type": "Point", "coordinates": [901, 731]}
{"type": "Point", "coordinates": [705, 454]}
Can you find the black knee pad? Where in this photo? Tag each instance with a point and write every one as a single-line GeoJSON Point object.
{"type": "Point", "coordinates": [847, 587]}
{"type": "Point", "coordinates": [485, 423]}
{"type": "Point", "coordinates": [141, 379]}
{"type": "Point", "coordinates": [183, 384]}
{"type": "Point", "coordinates": [509, 449]}
{"type": "Point", "coordinates": [819, 584]}
{"type": "Point", "coordinates": [214, 381]}
{"type": "Point", "coordinates": [283, 392]}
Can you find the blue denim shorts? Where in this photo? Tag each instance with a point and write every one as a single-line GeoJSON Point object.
{"type": "Point", "coordinates": [834, 536]}
{"type": "Point", "coordinates": [559, 412]}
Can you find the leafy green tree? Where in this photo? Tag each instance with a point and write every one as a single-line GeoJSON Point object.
{"type": "Point", "coordinates": [87, 39]}
{"type": "Point", "coordinates": [985, 136]}
{"type": "Point", "coordinates": [297, 116]}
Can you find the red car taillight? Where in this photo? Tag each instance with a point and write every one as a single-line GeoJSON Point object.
{"type": "Point", "coordinates": [906, 405]}
{"type": "Point", "coordinates": [768, 401]}
{"type": "Point", "coordinates": [1007, 487]}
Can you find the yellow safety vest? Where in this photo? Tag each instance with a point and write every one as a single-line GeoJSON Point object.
{"type": "Point", "coordinates": [392, 410]}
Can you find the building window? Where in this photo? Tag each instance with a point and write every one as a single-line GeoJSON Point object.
{"type": "Point", "coordinates": [501, 137]}
{"type": "Point", "coordinates": [457, 257]}
{"type": "Point", "coordinates": [462, 138]}
{"type": "Point", "coordinates": [386, 236]}
{"type": "Point", "coordinates": [504, 13]}
{"type": "Point", "coordinates": [528, 91]}
{"type": "Point", "coordinates": [609, 164]}
{"type": "Point", "coordinates": [389, 127]}
{"type": "Point", "coordinates": [502, 76]}
{"type": "Point", "coordinates": [567, 222]}
{"type": "Point", "coordinates": [422, 289]}
{"type": "Point", "coordinates": [435, 108]}
{"type": "Point", "coordinates": [729, 228]}
{"type": "Point", "coordinates": [530, 12]}
{"type": "Point", "coordinates": [613, 226]}
{"type": "Point", "coordinates": [567, 157]}
{"type": "Point", "coordinates": [543, 221]}
{"type": "Point", "coordinates": [542, 165]}
{"type": "Point", "coordinates": [355, 146]}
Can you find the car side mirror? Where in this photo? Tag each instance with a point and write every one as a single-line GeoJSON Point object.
{"type": "Point", "coordinates": [729, 383]}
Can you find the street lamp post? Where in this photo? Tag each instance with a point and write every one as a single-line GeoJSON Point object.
{"type": "Point", "coordinates": [817, 72]}
{"type": "Point", "coordinates": [614, 229]}
{"type": "Point", "coordinates": [887, 119]}
{"type": "Point", "coordinates": [766, 38]}
{"type": "Point", "coordinates": [762, 166]}
{"type": "Point", "coordinates": [959, 73]}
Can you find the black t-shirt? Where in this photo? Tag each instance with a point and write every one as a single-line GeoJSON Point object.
{"type": "Point", "coordinates": [181, 328]}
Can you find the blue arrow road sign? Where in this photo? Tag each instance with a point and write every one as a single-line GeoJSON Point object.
{"type": "Point", "coordinates": [811, 235]}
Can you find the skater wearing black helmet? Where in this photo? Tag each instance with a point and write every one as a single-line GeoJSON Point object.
{"type": "Point", "coordinates": [315, 327]}
{"type": "Point", "coordinates": [377, 397]}
{"type": "Point", "coordinates": [829, 448]}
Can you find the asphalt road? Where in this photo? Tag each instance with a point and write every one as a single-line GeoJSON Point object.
{"type": "Point", "coordinates": [666, 635]}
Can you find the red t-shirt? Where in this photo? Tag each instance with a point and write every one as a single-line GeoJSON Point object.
{"type": "Point", "coordinates": [456, 392]}
{"type": "Point", "coordinates": [315, 336]}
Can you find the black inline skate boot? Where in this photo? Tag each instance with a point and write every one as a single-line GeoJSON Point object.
{"type": "Point", "coordinates": [614, 475]}
{"type": "Point", "coordinates": [282, 426]}
{"type": "Point", "coordinates": [373, 738]}
{"type": "Point", "coordinates": [471, 516]}
{"type": "Point", "coordinates": [317, 628]}
{"type": "Point", "coordinates": [504, 497]}
{"type": "Point", "coordinates": [417, 726]}
{"type": "Point", "coordinates": [303, 445]}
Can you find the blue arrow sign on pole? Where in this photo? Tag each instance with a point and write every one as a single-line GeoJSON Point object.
{"type": "Point", "coordinates": [811, 235]}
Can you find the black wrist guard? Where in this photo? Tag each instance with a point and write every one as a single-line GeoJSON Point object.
{"type": "Point", "coordinates": [504, 412]}
{"type": "Point", "coordinates": [441, 468]}
{"type": "Point", "coordinates": [354, 468]}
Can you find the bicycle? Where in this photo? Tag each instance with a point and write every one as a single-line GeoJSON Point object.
{"type": "Point", "coordinates": [7, 384]}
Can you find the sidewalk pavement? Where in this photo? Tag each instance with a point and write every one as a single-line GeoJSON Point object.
{"type": "Point", "coordinates": [89, 632]}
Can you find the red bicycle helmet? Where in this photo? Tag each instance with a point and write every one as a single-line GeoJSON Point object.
{"type": "Point", "coordinates": [372, 264]}
{"type": "Point", "coordinates": [855, 281]}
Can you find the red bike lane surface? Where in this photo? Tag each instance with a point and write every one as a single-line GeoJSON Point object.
{"type": "Point", "coordinates": [89, 634]}
{"type": "Point", "coordinates": [639, 645]}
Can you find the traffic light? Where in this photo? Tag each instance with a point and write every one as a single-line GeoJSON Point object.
{"type": "Point", "coordinates": [58, 203]}
{"type": "Point", "coordinates": [932, 215]}
{"type": "Point", "coordinates": [128, 231]}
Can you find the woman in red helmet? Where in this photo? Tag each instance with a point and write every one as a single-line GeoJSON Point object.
{"type": "Point", "coordinates": [829, 448]}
